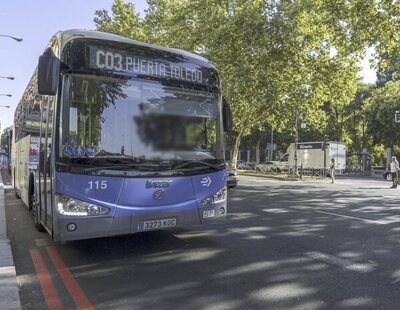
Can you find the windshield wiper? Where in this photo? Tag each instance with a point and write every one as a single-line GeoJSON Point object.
{"type": "Point", "coordinates": [130, 166]}
{"type": "Point", "coordinates": [199, 165]}
{"type": "Point", "coordinates": [116, 156]}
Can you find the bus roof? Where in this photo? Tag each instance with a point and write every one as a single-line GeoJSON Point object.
{"type": "Point", "coordinates": [71, 34]}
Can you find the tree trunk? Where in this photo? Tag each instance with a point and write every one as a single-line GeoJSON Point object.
{"type": "Point", "coordinates": [236, 147]}
{"type": "Point", "coordinates": [236, 150]}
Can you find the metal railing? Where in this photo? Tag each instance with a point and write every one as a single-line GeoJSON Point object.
{"type": "Point", "coordinates": [271, 169]}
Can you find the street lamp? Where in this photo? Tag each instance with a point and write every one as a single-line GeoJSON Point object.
{"type": "Point", "coordinates": [8, 95]}
{"type": "Point", "coordinates": [324, 146]}
{"type": "Point", "coordinates": [14, 38]}
{"type": "Point", "coordinates": [5, 106]}
{"type": "Point", "coordinates": [7, 77]}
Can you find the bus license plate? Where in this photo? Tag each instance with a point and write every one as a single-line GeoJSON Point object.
{"type": "Point", "coordinates": [147, 225]}
{"type": "Point", "coordinates": [208, 214]}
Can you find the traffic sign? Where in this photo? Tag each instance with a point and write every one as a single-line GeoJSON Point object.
{"type": "Point", "coordinates": [397, 117]}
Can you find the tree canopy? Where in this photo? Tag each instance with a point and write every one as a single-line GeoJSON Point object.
{"type": "Point", "coordinates": [275, 57]}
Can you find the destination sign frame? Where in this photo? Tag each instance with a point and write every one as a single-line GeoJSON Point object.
{"type": "Point", "coordinates": [158, 64]}
{"type": "Point", "coordinates": [309, 146]}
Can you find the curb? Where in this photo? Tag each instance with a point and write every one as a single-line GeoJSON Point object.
{"type": "Point", "coordinates": [288, 179]}
{"type": "Point", "coordinates": [9, 293]}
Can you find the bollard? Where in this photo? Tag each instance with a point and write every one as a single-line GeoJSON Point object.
{"type": "Point", "coordinates": [301, 171]}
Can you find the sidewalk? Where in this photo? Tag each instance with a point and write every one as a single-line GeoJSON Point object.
{"type": "Point", "coordinates": [9, 295]}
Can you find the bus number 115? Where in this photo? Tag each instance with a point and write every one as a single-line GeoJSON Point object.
{"type": "Point", "coordinates": [97, 184]}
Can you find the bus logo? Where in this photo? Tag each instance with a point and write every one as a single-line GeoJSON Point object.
{"type": "Point", "coordinates": [158, 183]}
{"type": "Point", "coordinates": [206, 182]}
{"type": "Point", "coordinates": [158, 195]}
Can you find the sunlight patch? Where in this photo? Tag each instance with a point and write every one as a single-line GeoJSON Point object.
{"type": "Point", "coordinates": [281, 292]}
{"type": "Point", "coordinates": [251, 268]}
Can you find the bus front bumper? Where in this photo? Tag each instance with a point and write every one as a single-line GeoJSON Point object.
{"type": "Point", "coordinates": [122, 223]}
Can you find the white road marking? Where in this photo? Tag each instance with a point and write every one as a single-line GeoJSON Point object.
{"type": "Point", "coordinates": [354, 218]}
{"type": "Point", "coordinates": [343, 263]}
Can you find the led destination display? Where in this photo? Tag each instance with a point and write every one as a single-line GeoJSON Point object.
{"type": "Point", "coordinates": [132, 62]}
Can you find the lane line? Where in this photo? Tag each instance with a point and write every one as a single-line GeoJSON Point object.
{"type": "Point", "coordinates": [77, 294]}
{"type": "Point", "coordinates": [353, 217]}
{"type": "Point", "coordinates": [50, 293]}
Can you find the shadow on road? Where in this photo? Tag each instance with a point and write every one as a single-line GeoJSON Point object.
{"type": "Point", "coordinates": [276, 251]}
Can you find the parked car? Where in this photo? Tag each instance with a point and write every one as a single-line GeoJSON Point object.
{"type": "Point", "coordinates": [232, 178]}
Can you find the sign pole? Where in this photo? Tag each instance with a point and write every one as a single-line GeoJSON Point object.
{"type": "Point", "coordinates": [324, 163]}
{"type": "Point", "coordinates": [296, 141]}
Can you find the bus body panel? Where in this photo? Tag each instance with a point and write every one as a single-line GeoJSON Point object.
{"type": "Point", "coordinates": [132, 202]}
{"type": "Point", "coordinates": [25, 163]}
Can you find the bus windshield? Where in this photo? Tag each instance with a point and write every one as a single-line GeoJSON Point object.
{"type": "Point", "coordinates": [144, 119]}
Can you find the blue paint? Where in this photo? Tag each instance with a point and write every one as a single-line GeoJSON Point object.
{"type": "Point", "coordinates": [130, 196]}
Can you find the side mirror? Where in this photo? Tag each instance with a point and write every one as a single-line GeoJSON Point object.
{"type": "Point", "coordinates": [227, 116]}
{"type": "Point", "coordinates": [48, 73]}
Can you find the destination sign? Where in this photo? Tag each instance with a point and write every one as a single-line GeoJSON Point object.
{"type": "Point", "coordinates": [131, 62]}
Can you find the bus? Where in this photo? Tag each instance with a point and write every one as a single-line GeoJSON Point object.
{"type": "Point", "coordinates": [113, 136]}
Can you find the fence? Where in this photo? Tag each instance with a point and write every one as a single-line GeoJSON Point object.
{"type": "Point", "coordinates": [271, 169]}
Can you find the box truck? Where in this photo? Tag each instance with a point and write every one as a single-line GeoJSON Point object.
{"type": "Point", "coordinates": [311, 155]}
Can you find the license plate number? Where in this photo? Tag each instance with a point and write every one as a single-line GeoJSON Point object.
{"type": "Point", "coordinates": [208, 213]}
{"type": "Point", "coordinates": [155, 224]}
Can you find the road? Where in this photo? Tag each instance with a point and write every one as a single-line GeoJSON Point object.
{"type": "Point", "coordinates": [286, 245]}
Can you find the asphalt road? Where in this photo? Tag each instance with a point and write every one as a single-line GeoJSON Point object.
{"type": "Point", "coordinates": [286, 245]}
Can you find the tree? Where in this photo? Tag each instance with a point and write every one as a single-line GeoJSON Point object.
{"type": "Point", "coordinates": [357, 137]}
{"type": "Point", "coordinates": [387, 69]}
{"type": "Point", "coordinates": [3, 138]}
{"type": "Point", "coordinates": [125, 21]}
{"type": "Point", "coordinates": [276, 58]}
{"type": "Point", "coordinates": [380, 115]}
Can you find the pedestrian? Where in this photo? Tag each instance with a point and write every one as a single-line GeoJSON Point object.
{"type": "Point", "coordinates": [394, 167]}
{"type": "Point", "coordinates": [332, 170]}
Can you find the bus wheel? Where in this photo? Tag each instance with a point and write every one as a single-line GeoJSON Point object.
{"type": "Point", "coordinates": [35, 207]}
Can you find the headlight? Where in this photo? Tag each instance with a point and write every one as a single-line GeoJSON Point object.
{"type": "Point", "coordinates": [219, 196]}
{"type": "Point", "coordinates": [75, 207]}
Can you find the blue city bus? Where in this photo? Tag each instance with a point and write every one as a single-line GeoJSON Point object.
{"type": "Point", "coordinates": [122, 136]}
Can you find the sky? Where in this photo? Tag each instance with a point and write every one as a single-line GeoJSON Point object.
{"type": "Point", "coordinates": [36, 22]}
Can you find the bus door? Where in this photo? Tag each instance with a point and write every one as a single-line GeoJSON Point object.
{"type": "Point", "coordinates": [45, 174]}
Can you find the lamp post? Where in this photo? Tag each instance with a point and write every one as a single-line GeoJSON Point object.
{"type": "Point", "coordinates": [8, 95]}
{"type": "Point", "coordinates": [11, 37]}
{"type": "Point", "coordinates": [296, 141]}
{"type": "Point", "coordinates": [7, 77]}
{"type": "Point", "coordinates": [325, 145]}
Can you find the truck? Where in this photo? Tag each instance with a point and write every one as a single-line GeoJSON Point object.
{"type": "Point", "coordinates": [310, 155]}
